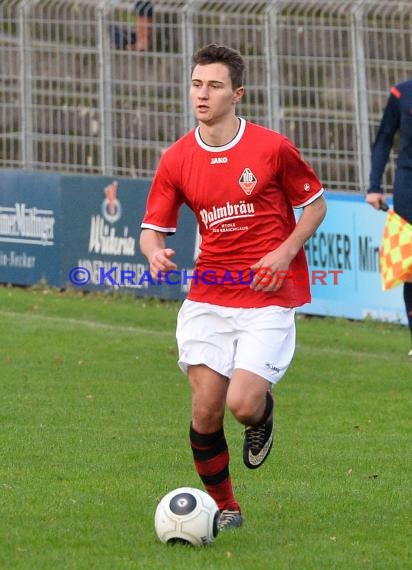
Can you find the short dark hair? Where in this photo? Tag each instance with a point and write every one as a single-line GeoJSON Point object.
{"type": "Point", "coordinates": [214, 53]}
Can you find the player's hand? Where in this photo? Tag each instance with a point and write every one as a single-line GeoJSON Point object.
{"type": "Point", "coordinates": [270, 271]}
{"type": "Point", "coordinates": [161, 262]}
{"type": "Point", "coordinates": [376, 200]}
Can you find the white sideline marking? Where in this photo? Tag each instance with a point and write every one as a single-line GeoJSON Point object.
{"type": "Point", "coordinates": [163, 333]}
{"type": "Point", "coordinates": [357, 353]}
{"type": "Point", "coordinates": [85, 323]}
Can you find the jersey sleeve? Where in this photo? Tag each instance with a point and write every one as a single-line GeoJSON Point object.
{"type": "Point", "coordinates": [298, 179]}
{"type": "Point", "coordinates": [163, 202]}
{"type": "Point", "coordinates": [381, 148]}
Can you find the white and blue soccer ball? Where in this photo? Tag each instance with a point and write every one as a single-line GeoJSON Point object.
{"type": "Point", "coordinates": [188, 516]}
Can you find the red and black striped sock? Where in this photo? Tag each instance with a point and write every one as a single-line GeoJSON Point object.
{"type": "Point", "coordinates": [211, 459]}
{"type": "Point", "coordinates": [268, 408]}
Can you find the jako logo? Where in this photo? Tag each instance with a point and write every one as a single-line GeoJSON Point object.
{"type": "Point", "coordinates": [219, 160]}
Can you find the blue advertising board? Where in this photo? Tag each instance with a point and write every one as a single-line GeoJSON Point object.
{"type": "Point", "coordinates": [348, 241]}
{"type": "Point", "coordinates": [83, 231]}
{"type": "Point", "coordinates": [100, 248]}
{"type": "Point", "coordinates": [30, 228]}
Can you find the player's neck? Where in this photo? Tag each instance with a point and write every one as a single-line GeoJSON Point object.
{"type": "Point", "coordinates": [221, 133]}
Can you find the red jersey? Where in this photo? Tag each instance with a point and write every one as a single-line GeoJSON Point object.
{"type": "Point", "coordinates": [243, 195]}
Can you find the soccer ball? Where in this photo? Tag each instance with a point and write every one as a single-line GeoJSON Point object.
{"type": "Point", "coordinates": [188, 516]}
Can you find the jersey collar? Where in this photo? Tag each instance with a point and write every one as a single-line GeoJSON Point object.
{"type": "Point", "coordinates": [224, 147]}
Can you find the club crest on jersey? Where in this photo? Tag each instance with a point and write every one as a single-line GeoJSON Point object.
{"type": "Point", "coordinates": [247, 181]}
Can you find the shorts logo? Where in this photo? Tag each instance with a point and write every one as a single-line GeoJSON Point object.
{"type": "Point", "coordinates": [272, 366]}
{"type": "Point", "coordinates": [306, 187]}
{"type": "Point", "coordinates": [247, 181]}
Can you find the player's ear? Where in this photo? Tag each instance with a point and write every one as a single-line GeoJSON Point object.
{"type": "Point", "coordinates": [238, 94]}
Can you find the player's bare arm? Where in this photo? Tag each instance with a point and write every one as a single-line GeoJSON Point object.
{"type": "Point", "coordinates": [277, 262]}
{"type": "Point", "coordinates": [153, 246]}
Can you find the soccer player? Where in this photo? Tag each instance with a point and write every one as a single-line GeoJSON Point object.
{"type": "Point", "coordinates": [397, 116]}
{"type": "Point", "coordinates": [236, 330]}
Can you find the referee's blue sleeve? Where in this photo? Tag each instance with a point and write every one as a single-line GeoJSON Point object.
{"type": "Point", "coordinates": [384, 140]}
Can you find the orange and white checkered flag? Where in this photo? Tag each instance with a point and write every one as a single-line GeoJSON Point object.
{"type": "Point", "coordinates": [396, 251]}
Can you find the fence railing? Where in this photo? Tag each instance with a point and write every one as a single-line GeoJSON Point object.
{"type": "Point", "coordinates": [77, 96]}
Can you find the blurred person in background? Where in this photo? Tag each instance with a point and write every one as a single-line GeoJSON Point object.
{"type": "Point", "coordinates": [144, 26]}
{"type": "Point", "coordinates": [139, 39]}
{"type": "Point", "coordinates": [396, 118]}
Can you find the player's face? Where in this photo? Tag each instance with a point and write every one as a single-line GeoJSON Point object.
{"type": "Point", "coordinates": [211, 92]}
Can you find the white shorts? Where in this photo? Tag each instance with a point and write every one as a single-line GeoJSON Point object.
{"type": "Point", "coordinates": [224, 338]}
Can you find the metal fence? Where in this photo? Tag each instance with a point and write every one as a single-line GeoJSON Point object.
{"type": "Point", "coordinates": [75, 96]}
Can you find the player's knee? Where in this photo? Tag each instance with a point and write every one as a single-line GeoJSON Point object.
{"type": "Point", "coordinates": [206, 419]}
{"type": "Point", "coordinates": [243, 409]}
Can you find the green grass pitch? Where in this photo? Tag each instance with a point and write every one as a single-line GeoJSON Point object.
{"type": "Point", "coordinates": [94, 430]}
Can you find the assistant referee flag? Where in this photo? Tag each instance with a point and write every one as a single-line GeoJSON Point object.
{"type": "Point", "coordinates": [396, 251]}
